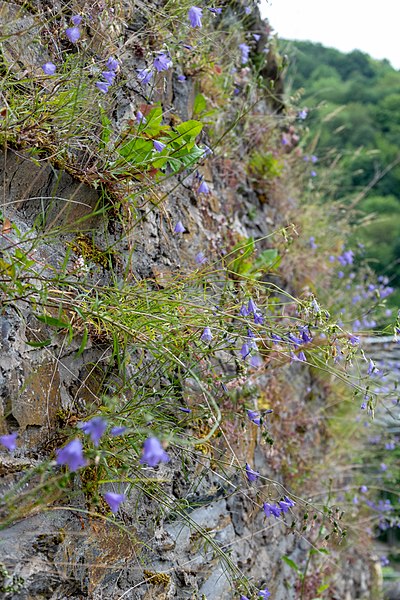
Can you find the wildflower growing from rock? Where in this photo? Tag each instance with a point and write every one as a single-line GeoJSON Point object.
{"type": "Point", "coordinates": [9, 441]}
{"type": "Point", "coordinates": [158, 146]}
{"type": "Point", "coordinates": [256, 36]}
{"type": "Point", "coordinates": [181, 78]}
{"type": "Point", "coordinates": [216, 11]}
{"type": "Point", "coordinates": [264, 594]}
{"type": "Point", "coordinates": [103, 86]}
{"type": "Point", "coordinates": [206, 336]}
{"type": "Point", "coordinates": [117, 430]}
{"type": "Point", "coordinates": [195, 14]}
{"type": "Point", "coordinates": [153, 453]}
{"type": "Point", "coordinates": [71, 455]}
{"type": "Point", "coordinates": [114, 500]}
{"type": "Point", "coordinates": [112, 64]}
{"type": "Point", "coordinates": [245, 51]}
{"type": "Point", "coordinates": [179, 228]}
{"type": "Point", "coordinates": [144, 76]}
{"type": "Point", "coordinates": [76, 20]}
{"type": "Point", "coordinates": [162, 62]}
{"type": "Point", "coordinates": [73, 34]}
{"type": "Point", "coordinates": [254, 417]}
{"type": "Point", "coordinates": [49, 68]}
{"type": "Point", "coordinates": [303, 114]}
{"type": "Point", "coordinates": [95, 428]}
{"type": "Point", "coordinates": [251, 475]}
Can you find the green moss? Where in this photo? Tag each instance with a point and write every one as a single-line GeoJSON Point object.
{"type": "Point", "coordinates": [85, 247]}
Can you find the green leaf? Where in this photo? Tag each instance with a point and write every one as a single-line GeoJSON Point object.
{"type": "Point", "coordinates": [188, 130]}
{"type": "Point", "coordinates": [154, 119]}
{"type": "Point", "coordinates": [137, 151]}
{"type": "Point", "coordinates": [291, 564]}
{"type": "Point", "coordinates": [39, 344]}
{"type": "Point", "coordinates": [322, 588]}
{"type": "Point", "coordinates": [199, 104]}
{"type": "Point", "coordinates": [83, 342]}
{"type": "Point", "coordinates": [53, 321]}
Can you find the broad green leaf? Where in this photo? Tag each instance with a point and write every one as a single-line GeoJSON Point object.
{"type": "Point", "coordinates": [322, 588]}
{"type": "Point", "coordinates": [137, 151]}
{"type": "Point", "coordinates": [199, 104]}
{"type": "Point", "coordinates": [188, 130]}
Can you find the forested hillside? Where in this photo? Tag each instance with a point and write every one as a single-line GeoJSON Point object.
{"type": "Point", "coordinates": [353, 104]}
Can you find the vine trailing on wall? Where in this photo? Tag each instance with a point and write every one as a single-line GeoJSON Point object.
{"type": "Point", "coordinates": [184, 355]}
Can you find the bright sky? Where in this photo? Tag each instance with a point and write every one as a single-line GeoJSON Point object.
{"type": "Point", "coordinates": [368, 25]}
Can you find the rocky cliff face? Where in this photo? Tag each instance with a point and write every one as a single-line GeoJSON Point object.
{"type": "Point", "coordinates": [104, 303]}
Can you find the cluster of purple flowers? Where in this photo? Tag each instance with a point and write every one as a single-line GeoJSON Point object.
{"type": "Point", "coordinates": [74, 33]}
{"type": "Point", "coordinates": [277, 509]}
{"type": "Point", "coordinates": [108, 76]}
{"type": "Point", "coordinates": [251, 309]}
{"type": "Point", "coordinates": [162, 62]}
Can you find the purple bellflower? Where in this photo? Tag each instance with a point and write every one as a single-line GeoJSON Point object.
{"type": "Point", "coordinates": [245, 351]}
{"type": "Point", "coordinates": [109, 76]}
{"type": "Point", "coordinates": [114, 500]}
{"type": "Point", "coordinates": [245, 50]}
{"type": "Point", "coordinates": [203, 188]}
{"type": "Point", "coordinates": [73, 34]}
{"type": "Point", "coordinates": [71, 455]}
{"type": "Point", "coordinates": [195, 14]}
{"type": "Point", "coordinates": [144, 76]}
{"type": "Point", "coordinates": [140, 118]}
{"type": "Point", "coordinates": [247, 10]}
{"type": "Point", "coordinates": [49, 68]}
{"type": "Point", "coordinates": [181, 78]}
{"type": "Point", "coordinates": [256, 361]}
{"type": "Point", "coordinates": [153, 453]}
{"type": "Point", "coordinates": [256, 36]}
{"type": "Point", "coordinates": [179, 228]}
{"type": "Point", "coordinates": [95, 428]}
{"type": "Point", "coordinates": [243, 597]}
{"type": "Point", "coordinates": [271, 509]}
{"type": "Point", "coordinates": [200, 258]}
{"type": "Point", "coordinates": [254, 417]}
{"type": "Point", "coordinates": [103, 86]}
{"type": "Point", "coordinates": [117, 430]}
{"type": "Point", "coordinates": [158, 146]}
{"type": "Point", "coordinates": [264, 594]}
{"type": "Point", "coordinates": [9, 441]}
{"type": "Point", "coordinates": [216, 11]}
{"type": "Point", "coordinates": [112, 64]}
{"type": "Point", "coordinates": [243, 312]}
{"type": "Point", "coordinates": [162, 62]}
{"type": "Point", "coordinates": [206, 336]}
{"type": "Point", "coordinates": [303, 114]}
{"type": "Point", "coordinates": [251, 475]}
{"type": "Point", "coordinates": [76, 19]}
